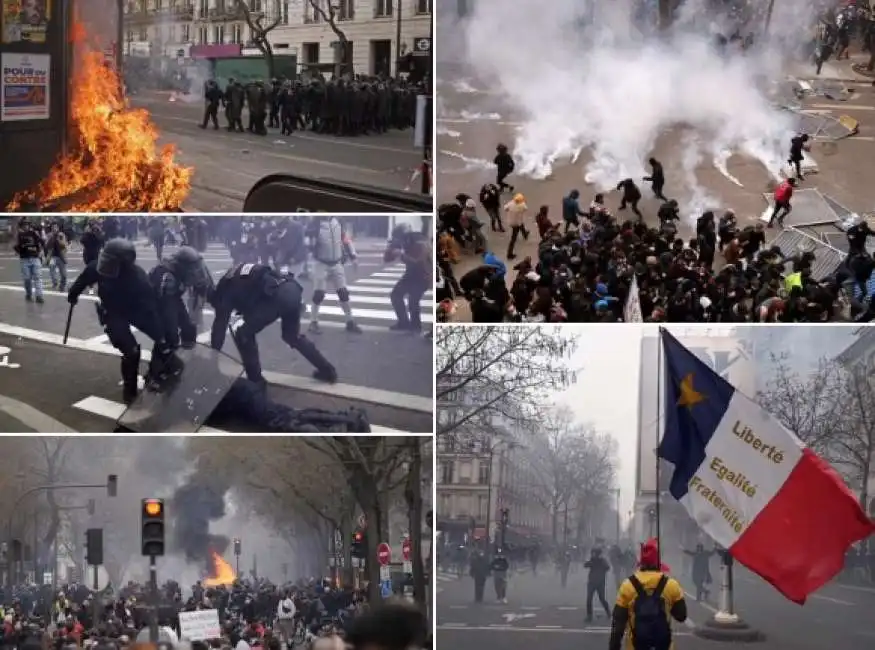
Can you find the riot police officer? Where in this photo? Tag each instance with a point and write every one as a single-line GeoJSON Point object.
{"type": "Point", "coordinates": [170, 279]}
{"type": "Point", "coordinates": [127, 299]}
{"type": "Point", "coordinates": [261, 295]}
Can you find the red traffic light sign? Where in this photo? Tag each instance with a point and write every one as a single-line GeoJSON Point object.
{"type": "Point", "coordinates": [405, 550]}
{"type": "Point", "coordinates": [384, 554]}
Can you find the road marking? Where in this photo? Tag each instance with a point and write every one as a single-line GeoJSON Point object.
{"type": "Point", "coordinates": [458, 607]}
{"type": "Point", "coordinates": [568, 609]}
{"type": "Point", "coordinates": [560, 630]}
{"type": "Point", "coordinates": [114, 410]}
{"type": "Point", "coordinates": [837, 601]}
{"type": "Point", "coordinates": [854, 587]}
{"type": "Point", "coordinates": [710, 608]}
{"type": "Point", "coordinates": [324, 310]}
{"type": "Point", "coordinates": [549, 627]}
{"type": "Point", "coordinates": [31, 417]}
{"type": "Point", "coordinates": [531, 609]}
{"type": "Point", "coordinates": [376, 396]}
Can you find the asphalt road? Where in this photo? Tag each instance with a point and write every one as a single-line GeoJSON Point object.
{"type": "Point", "coordinates": [226, 165]}
{"type": "Point", "coordinates": [472, 119]}
{"type": "Point", "coordinates": [541, 614]}
{"type": "Point", "coordinates": [390, 372]}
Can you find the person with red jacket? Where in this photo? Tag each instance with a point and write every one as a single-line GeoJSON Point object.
{"type": "Point", "coordinates": [783, 194]}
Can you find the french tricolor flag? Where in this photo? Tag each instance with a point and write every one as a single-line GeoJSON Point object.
{"type": "Point", "coordinates": [751, 484]}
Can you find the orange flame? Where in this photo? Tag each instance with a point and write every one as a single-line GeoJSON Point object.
{"type": "Point", "coordinates": [223, 573]}
{"type": "Point", "coordinates": [115, 163]}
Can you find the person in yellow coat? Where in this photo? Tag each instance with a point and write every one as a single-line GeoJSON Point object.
{"type": "Point", "coordinates": [646, 602]}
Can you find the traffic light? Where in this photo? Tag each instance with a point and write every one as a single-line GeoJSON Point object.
{"type": "Point", "coordinates": [94, 546]}
{"type": "Point", "coordinates": [152, 536]}
{"type": "Point", "coordinates": [359, 546]}
{"type": "Point", "coordinates": [237, 546]}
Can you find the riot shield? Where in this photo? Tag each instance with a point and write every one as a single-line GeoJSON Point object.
{"type": "Point", "coordinates": [183, 403]}
{"type": "Point", "coordinates": [288, 193]}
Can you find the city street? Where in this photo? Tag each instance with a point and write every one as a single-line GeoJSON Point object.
{"type": "Point", "coordinates": [226, 165]}
{"type": "Point", "coordinates": [388, 373]}
{"type": "Point", "coordinates": [539, 614]}
{"type": "Point", "coordinates": [473, 118]}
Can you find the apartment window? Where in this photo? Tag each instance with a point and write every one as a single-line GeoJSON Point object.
{"type": "Point", "coordinates": [482, 506]}
{"type": "Point", "coordinates": [144, 34]}
{"type": "Point", "coordinates": [159, 5]}
{"type": "Point", "coordinates": [447, 473]}
{"type": "Point", "coordinates": [285, 14]}
{"type": "Point", "coordinates": [220, 6]}
{"type": "Point", "coordinates": [310, 13]}
{"type": "Point", "coordinates": [218, 34]}
{"type": "Point", "coordinates": [255, 6]}
{"type": "Point", "coordinates": [203, 9]}
{"type": "Point", "coordinates": [445, 504]}
{"type": "Point", "coordinates": [463, 503]}
{"type": "Point", "coordinates": [382, 8]}
{"type": "Point", "coordinates": [423, 6]}
{"type": "Point", "coordinates": [483, 474]}
{"type": "Point", "coordinates": [237, 33]}
{"type": "Point", "coordinates": [345, 10]}
{"type": "Point", "coordinates": [129, 36]}
{"type": "Point", "coordinates": [202, 35]}
{"type": "Point", "coordinates": [186, 33]}
{"type": "Point", "coordinates": [172, 33]}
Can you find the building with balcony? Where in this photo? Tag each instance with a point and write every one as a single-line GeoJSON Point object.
{"type": "Point", "coordinates": [481, 474]}
{"type": "Point", "coordinates": [170, 28]}
{"type": "Point", "coordinates": [371, 28]}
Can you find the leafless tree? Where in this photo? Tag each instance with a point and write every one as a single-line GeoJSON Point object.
{"type": "Point", "coordinates": [331, 15]}
{"type": "Point", "coordinates": [832, 410]}
{"type": "Point", "coordinates": [260, 27]}
{"type": "Point", "coordinates": [490, 377]}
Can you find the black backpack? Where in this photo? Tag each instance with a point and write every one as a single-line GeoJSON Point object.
{"type": "Point", "coordinates": [652, 630]}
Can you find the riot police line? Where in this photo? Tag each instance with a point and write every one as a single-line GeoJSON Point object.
{"type": "Point", "coordinates": [340, 107]}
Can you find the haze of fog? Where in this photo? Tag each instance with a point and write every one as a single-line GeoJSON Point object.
{"type": "Point", "coordinates": [584, 77]}
{"type": "Point", "coordinates": [606, 391]}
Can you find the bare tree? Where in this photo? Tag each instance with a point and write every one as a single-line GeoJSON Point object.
{"type": "Point", "coordinates": [259, 28]}
{"type": "Point", "coordinates": [832, 410]}
{"type": "Point", "coordinates": [331, 15]}
{"type": "Point", "coordinates": [489, 376]}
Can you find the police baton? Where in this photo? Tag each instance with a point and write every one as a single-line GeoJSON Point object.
{"type": "Point", "coordinates": [69, 319]}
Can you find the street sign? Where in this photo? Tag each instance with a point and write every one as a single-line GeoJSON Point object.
{"type": "Point", "coordinates": [385, 589]}
{"type": "Point", "coordinates": [405, 549]}
{"type": "Point", "coordinates": [385, 574]}
{"type": "Point", "coordinates": [408, 566]}
{"type": "Point", "coordinates": [384, 554]}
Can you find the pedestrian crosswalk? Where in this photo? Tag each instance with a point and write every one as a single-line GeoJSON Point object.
{"type": "Point", "coordinates": [112, 410]}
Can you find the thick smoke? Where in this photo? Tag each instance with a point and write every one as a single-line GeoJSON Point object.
{"type": "Point", "coordinates": [582, 76]}
{"type": "Point", "coordinates": [195, 505]}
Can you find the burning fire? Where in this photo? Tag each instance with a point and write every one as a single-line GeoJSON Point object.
{"type": "Point", "coordinates": [114, 163]}
{"type": "Point", "coordinates": [223, 573]}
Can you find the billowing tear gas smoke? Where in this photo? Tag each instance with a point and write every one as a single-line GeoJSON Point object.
{"type": "Point", "coordinates": [195, 505]}
{"type": "Point", "coordinates": [582, 76]}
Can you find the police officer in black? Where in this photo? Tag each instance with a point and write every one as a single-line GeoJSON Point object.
{"type": "Point", "coordinates": [262, 295]}
{"type": "Point", "coordinates": [126, 299]}
{"type": "Point", "coordinates": [213, 96]}
{"type": "Point", "coordinates": [170, 279]}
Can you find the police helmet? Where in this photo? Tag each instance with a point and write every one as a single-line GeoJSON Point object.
{"type": "Point", "coordinates": [189, 266]}
{"type": "Point", "coordinates": [117, 254]}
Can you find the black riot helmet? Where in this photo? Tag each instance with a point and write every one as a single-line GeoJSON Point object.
{"type": "Point", "coordinates": [400, 234]}
{"type": "Point", "coordinates": [115, 256]}
{"type": "Point", "coordinates": [189, 267]}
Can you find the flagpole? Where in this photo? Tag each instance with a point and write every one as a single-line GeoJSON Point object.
{"type": "Point", "coordinates": [659, 398]}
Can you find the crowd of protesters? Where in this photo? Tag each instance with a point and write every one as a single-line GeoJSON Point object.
{"type": "Point", "coordinates": [253, 614]}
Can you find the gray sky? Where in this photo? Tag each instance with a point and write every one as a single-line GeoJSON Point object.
{"type": "Point", "coordinates": [606, 391]}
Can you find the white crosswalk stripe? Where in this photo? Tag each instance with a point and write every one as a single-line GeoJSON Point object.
{"type": "Point", "coordinates": [112, 410]}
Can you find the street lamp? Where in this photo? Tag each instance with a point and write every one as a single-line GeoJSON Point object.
{"type": "Point", "coordinates": [492, 449]}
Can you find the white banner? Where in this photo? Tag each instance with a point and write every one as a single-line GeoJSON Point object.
{"type": "Point", "coordinates": [202, 625]}
{"type": "Point", "coordinates": [632, 310]}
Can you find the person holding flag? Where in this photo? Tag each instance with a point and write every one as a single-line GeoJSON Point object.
{"type": "Point", "coordinates": [751, 484]}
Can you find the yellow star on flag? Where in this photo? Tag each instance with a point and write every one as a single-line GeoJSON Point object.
{"type": "Point", "coordinates": [689, 395]}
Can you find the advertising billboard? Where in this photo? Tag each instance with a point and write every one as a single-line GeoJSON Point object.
{"type": "Point", "coordinates": [731, 357]}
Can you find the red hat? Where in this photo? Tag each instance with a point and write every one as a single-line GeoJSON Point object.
{"type": "Point", "coordinates": [649, 557]}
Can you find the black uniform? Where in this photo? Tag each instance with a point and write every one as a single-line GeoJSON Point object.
{"type": "Point", "coordinates": [414, 252]}
{"type": "Point", "coordinates": [505, 165]}
{"type": "Point", "coordinates": [213, 97]}
{"type": "Point", "coordinates": [175, 318]}
{"type": "Point", "coordinates": [656, 178]}
{"type": "Point", "coordinates": [126, 300]}
{"type": "Point", "coordinates": [631, 196]}
{"type": "Point", "coordinates": [261, 296]}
